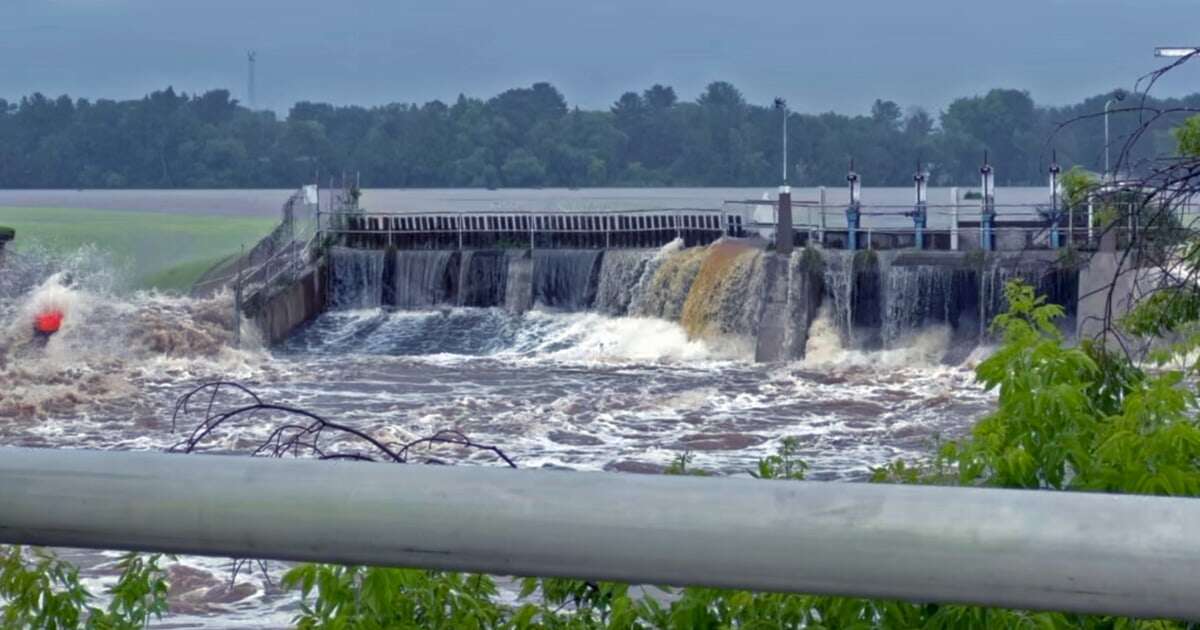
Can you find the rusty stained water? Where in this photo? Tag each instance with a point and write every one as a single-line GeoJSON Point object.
{"type": "Point", "coordinates": [726, 297]}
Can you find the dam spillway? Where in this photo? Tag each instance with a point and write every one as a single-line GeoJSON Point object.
{"type": "Point", "coordinates": [712, 272]}
{"type": "Point", "coordinates": [727, 289]}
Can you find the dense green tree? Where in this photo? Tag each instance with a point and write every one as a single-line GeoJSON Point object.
{"type": "Point", "coordinates": [529, 136]}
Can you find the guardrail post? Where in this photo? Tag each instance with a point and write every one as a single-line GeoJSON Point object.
{"type": "Point", "coordinates": [954, 218]}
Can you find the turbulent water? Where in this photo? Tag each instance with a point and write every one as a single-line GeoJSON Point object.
{"type": "Point", "coordinates": [565, 279]}
{"type": "Point", "coordinates": [358, 278]}
{"type": "Point", "coordinates": [423, 278]}
{"type": "Point", "coordinates": [628, 362]}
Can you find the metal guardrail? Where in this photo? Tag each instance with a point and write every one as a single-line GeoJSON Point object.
{"type": "Point", "coordinates": [1081, 552]}
{"type": "Point", "coordinates": [277, 257]}
{"type": "Point", "coordinates": [535, 229]}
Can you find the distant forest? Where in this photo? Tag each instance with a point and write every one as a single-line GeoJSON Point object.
{"type": "Point", "coordinates": [530, 137]}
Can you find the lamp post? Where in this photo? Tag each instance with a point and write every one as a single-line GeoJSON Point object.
{"type": "Point", "coordinates": [784, 237]}
{"type": "Point", "coordinates": [987, 205]}
{"type": "Point", "coordinates": [1118, 96]}
{"type": "Point", "coordinates": [1055, 214]}
{"type": "Point", "coordinates": [920, 207]}
{"type": "Point", "coordinates": [854, 210]}
{"type": "Point", "coordinates": [1175, 51]}
{"type": "Point", "coordinates": [781, 105]}
{"type": "Point", "coordinates": [1178, 52]}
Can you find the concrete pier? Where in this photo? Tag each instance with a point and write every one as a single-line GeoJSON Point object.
{"type": "Point", "coordinates": [278, 313]}
{"type": "Point", "coordinates": [792, 295]}
{"type": "Point", "coordinates": [518, 293]}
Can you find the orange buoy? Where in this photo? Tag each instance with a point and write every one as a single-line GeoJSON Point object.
{"type": "Point", "coordinates": [48, 322]}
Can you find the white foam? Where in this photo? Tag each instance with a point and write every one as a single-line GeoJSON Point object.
{"type": "Point", "coordinates": [594, 337]}
{"type": "Point", "coordinates": [107, 341]}
{"type": "Point", "coordinates": [925, 348]}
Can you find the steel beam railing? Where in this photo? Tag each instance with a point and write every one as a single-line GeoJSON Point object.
{"type": "Point", "coordinates": [1082, 552]}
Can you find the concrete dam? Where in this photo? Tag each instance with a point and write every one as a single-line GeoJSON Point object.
{"type": "Point", "coordinates": [731, 288]}
{"type": "Point", "coordinates": [717, 274]}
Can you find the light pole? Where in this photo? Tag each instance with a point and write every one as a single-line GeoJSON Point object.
{"type": "Point", "coordinates": [854, 210]}
{"type": "Point", "coordinates": [920, 207]}
{"type": "Point", "coordinates": [1175, 51]}
{"type": "Point", "coordinates": [784, 235]}
{"type": "Point", "coordinates": [1185, 52]}
{"type": "Point", "coordinates": [987, 204]}
{"type": "Point", "coordinates": [1055, 238]}
{"type": "Point", "coordinates": [1118, 96]}
{"type": "Point", "coordinates": [781, 105]}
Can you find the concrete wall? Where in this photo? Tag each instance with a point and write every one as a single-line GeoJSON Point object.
{"type": "Point", "coordinates": [792, 294]}
{"type": "Point", "coordinates": [281, 312]}
{"type": "Point", "coordinates": [518, 296]}
{"type": "Point", "coordinates": [1110, 284]}
{"type": "Point", "coordinates": [940, 288]}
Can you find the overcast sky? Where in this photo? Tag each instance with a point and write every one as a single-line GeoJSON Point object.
{"type": "Point", "coordinates": [820, 54]}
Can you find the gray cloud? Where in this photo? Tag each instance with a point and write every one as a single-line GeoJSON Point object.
{"type": "Point", "coordinates": [822, 55]}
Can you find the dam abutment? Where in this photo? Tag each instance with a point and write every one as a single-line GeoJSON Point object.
{"type": "Point", "coordinates": [277, 314]}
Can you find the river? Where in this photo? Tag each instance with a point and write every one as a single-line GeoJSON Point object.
{"type": "Point", "coordinates": [554, 387]}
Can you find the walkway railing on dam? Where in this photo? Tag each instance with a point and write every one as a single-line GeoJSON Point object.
{"type": "Point", "coordinates": [476, 230]}
{"type": "Point", "coordinates": [1065, 551]}
{"type": "Point", "coordinates": [279, 257]}
{"type": "Point", "coordinates": [945, 227]}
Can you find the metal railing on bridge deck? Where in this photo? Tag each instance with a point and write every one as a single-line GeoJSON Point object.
{"type": "Point", "coordinates": [957, 226]}
{"type": "Point", "coordinates": [1066, 551]}
{"type": "Point", "coordinates": [953, 226]}
{"type": "Point", "coordinates": [534, 230]}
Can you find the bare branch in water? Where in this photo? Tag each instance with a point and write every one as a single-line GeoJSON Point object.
{"type": "Point", "coordinates": [300, 435]}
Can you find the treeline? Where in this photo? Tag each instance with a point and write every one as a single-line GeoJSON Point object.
{"type": "Point", "coordinates": [531, 137]}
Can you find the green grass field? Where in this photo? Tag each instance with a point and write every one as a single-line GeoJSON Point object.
{"type": "Point", "coordinates": [164, 251]}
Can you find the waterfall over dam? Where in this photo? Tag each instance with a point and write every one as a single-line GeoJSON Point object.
{"type": "Point", "coordinates": [730, 289]}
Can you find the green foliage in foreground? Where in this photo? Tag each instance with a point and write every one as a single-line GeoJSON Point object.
{"type": "Point", "coordinates": [1187, 137]}
{"type": "Point", "coordinates": [1067, 419]}
{"type": "Point", "coordinates": [163, 251]}
{"type": "Point", "coordinates": [39, 590]}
